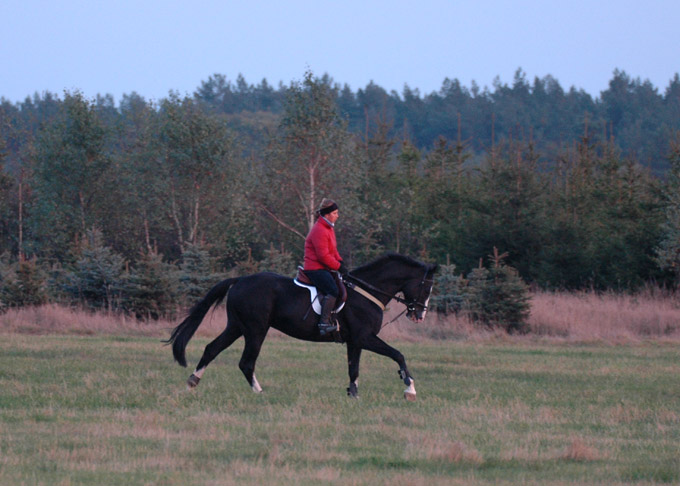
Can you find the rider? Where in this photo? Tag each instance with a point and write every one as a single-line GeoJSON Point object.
{"type": "Point", "coordinates": [322, 257]}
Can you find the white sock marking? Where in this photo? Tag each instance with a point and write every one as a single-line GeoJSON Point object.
{"type": "Point", "coordinates": [411, 390]}
{"type": "Point", "coordinates": [256, 386]}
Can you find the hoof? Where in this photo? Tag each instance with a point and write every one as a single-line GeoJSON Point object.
{"type": "Point", "coordinates": [353, 391]}
{"type": "Point", "coordinates": [255, 386]}
{"type": "Point", "coordinates": [192, 382]}
{"type": "Point", "coordinates": [410, 392]}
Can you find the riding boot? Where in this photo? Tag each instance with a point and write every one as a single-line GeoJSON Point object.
{"type": "Point", "coordinates": [325, 325]}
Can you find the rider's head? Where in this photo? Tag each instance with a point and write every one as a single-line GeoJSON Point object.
{"type": "Point", "coordinates": [329, 209]}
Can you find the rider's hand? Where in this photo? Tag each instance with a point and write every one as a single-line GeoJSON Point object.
{"type": "Point", "coordinates": [343, 269]}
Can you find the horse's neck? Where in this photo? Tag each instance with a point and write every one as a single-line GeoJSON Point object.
{"type": "Point", "coordinates": [387, 284]}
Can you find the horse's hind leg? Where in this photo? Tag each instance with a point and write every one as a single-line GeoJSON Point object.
{"type": "Point", "coordinates": [353, 357]}
{"type": "Point", "coordinates": [219, 344]}
{"type": "Point", "coordinates": [247, 364]}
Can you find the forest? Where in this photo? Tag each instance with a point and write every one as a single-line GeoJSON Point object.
{"type": "Point", "coordinates": [107, 203]}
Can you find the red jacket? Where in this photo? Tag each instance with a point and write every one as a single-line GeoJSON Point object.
{"type": "Point", "coordinates": [321, 249]}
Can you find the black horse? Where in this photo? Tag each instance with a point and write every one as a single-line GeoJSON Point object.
{"type": "Point", "coordinates": [257, 302]}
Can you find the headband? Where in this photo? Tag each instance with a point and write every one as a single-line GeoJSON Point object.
{"type": "Point", "coordinates": [328, 209]}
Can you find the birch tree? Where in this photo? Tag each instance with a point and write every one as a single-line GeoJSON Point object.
{"type": "Point", "coordinates": [197, 171]}
{"type": "Point", "coordinates": [312, 158]}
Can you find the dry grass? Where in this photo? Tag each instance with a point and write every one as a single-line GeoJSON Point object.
{"type": "Point", "coordinates": [438, 449]}
{"type": "Point", "coordinates": [576, 317]}
{"type": "Point", "coordinates": [57, 319]}
{"type": "Point", "coordinates": [579, 451]}
{"type": "Point", "coordinates": [605, 317]}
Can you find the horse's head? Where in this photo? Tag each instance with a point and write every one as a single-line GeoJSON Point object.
{"type": "Point", "coordinates": [417, 292]}
{"type": "Point", "coordinates": [392, 274]}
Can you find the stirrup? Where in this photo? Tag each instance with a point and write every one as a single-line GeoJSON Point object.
{"type": "Point", "coordinates": [326, 328]}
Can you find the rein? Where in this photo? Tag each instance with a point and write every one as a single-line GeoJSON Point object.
{"type": "Point", "coordinates": [410, 304]}
{"type": "Point", "coordinates": [372, 298]}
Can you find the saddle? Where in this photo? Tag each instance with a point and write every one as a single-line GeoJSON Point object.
{"type": "Point", "coordinates": [302, 280]}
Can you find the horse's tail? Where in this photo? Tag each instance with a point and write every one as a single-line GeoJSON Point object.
{"type": "Point", "coordinates": [182, 334]}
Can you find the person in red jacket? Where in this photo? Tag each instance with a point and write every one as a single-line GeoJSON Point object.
{"type": "Point", "coordinates": [322, 257]}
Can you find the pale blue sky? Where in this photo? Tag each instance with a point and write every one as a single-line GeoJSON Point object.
{"type": "Point", "coordinates": [152, 47]}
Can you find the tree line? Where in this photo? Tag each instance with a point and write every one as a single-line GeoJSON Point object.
{"type": "Point", "coordinates": [227, 180]}
{"type": "Point", "coordinates": [630, 112]}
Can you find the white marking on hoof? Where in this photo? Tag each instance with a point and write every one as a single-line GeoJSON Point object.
{"type": "Point", "coordinates": [410, 392]}
{"type": "Point", "coordinates": [199, 373]}
{"type": "Point", "coordinates": [256, 386]}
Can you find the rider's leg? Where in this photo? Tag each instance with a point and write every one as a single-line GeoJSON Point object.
{"type": "Point", "coordinates": [327, 305]}
{"type": "Point", "coordinates": [328, 293]}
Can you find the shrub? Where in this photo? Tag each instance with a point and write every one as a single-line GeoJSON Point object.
{"type": "Point", "coordinates": [448, 291]}
{"type": "Point", "coordinates": [497, 296]}
{"type": "Point", "coordinates": [97, 277]}
{"type": "Point", "coordinates": [22, 285]}
{"type": "Point", "coordinates": [278, 261]}
{"type": "Point", "coordinates": [196, 274]}
{"type": "Point", "coordinates": [150, 290]}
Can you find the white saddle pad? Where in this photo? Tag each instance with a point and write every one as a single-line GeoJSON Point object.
{"type": "Point", "coordinates": [316, 305]}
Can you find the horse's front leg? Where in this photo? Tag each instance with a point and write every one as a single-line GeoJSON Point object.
{"type": "Point", "coordinates": [375, 344]}
{"type": "Point", "coordinates": [353, 358]}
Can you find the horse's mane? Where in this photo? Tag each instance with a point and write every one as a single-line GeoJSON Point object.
{"type": "Point", "coordinates": [381, 260]}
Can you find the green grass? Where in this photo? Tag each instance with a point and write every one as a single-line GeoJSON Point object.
{"type": "Point", "coordinates": [115, 411]}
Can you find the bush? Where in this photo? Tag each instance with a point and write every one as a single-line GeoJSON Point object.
{"type": "Point", "coordinates": [497, 296]}
{"type": "Point", "coordinates": [448, 292]}
{"type": "Point", "coordinates": [22, 285]}
{"type": "Point", "coordinates": [278, 261]}
{"type": "Point", "coordinates": [97, 278]}
{"type": "Point", "coordinates": [196, 274]}
{"type": "Point", "coordinates": [150, 290]}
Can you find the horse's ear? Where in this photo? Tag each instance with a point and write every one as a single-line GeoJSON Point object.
{"type": "Point", "coordinates": [434, 267]}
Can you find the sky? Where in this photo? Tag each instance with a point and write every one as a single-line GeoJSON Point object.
{"type": "Point", "coordinates": [152, 47]}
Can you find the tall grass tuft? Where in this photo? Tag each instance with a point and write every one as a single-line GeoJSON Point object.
{"type": "Point", "coordinates": [579, 451]}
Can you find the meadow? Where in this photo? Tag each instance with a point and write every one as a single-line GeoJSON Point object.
{"type": "Point", "coordinates": [107, 406]}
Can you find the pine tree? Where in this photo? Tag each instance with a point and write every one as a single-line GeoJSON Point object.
{"type": "Point", "coordinates": [22, 285]}
{"type": "Point", "coordinates": [196, 274]}
{"type": "Point", "coordinates": [497, 296]}
{"type": "Point", "coordinates": [97, 278]}
{"type": "Point", "coordinates": [448, 294]}
{"type": "Point", "coordinates": [668, 252]}
{"type": "Point", "coordinates": [71, 174]}
{"type": "Point", "coordinates": [445, 195]}
{"type": "Point", "coordinates": [278, 261]}
{"type": "Point", "coordinates": [247, 266]}
{"type": "Point", "coordinates": [151, 288]}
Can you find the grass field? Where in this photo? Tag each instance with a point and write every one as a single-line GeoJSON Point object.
{"type": "Point", "coordinates": [111, 410]}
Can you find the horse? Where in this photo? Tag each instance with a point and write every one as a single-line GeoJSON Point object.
{"type": "Point", "coordinates": [264, 300]}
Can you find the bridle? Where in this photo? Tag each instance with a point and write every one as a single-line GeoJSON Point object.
{"type": "Point", "coordinates": [411, 305]}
